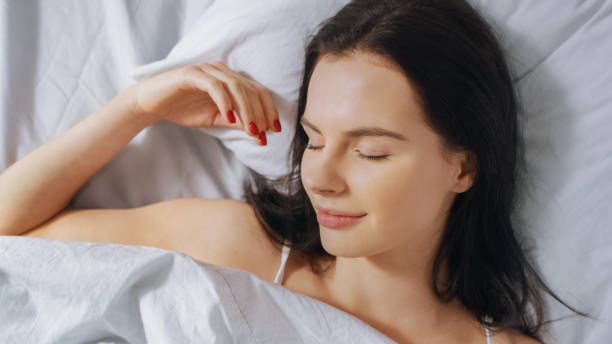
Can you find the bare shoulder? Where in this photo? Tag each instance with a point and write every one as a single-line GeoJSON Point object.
{"type": "Point", "coordinates": [520, 338]}
{"type": "Point", "coordinates": [512, 337]}
{"type": "Point", "coordinates": [217, 231]}
{"type": "Point", "coordinates": [220, 231]}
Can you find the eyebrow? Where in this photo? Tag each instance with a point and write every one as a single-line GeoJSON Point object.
{"type": "Point", "coordinates": [363, 131]}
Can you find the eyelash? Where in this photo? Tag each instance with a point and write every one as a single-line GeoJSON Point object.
{"type": "Point", "coordinates": [368, 157]}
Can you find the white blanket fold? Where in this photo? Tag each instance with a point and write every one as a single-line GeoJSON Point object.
{"type": "Point", "coordinates": [54, 291]}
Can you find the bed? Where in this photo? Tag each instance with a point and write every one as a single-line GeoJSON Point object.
{"type": "Point", "coordinates": [64, 59]}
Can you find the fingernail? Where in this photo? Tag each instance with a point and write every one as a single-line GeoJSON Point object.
{"type": "Point", "coordinates": [277, 125]}
{"type": "Point", "coordinates": [262, 138]}
{"type": "Point", "coordinates": [253, 128]}
{"type": "Point", "coordinates": [230, 116]}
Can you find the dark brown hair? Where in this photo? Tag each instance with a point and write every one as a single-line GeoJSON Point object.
{"type": "Point", "coordinates": [452, 57]}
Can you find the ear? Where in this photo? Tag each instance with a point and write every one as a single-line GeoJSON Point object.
{"type": "Point", "coordinates": [465, 166]}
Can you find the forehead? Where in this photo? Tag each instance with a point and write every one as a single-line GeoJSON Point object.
{"type": "Point", "coordinates": [360, 87]}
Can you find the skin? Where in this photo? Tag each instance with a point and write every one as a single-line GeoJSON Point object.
{"type": "Point", "coordinates": [383, 265]}
{"type": "Point", "coordinates": [382, 271]}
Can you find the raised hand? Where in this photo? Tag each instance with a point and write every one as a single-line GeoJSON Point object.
{"type": "Point", "coordinates": [208, 95]}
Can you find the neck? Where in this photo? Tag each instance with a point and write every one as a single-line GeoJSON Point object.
{"type": "Point", "coordinates": [394, 293]}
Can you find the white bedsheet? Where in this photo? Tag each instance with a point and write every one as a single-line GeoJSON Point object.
{"type": "Point", "coordinates": [54, 291]}
{"type": "Point", "coordinates": [69, 57]}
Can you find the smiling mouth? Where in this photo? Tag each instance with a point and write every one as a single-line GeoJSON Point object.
{"type": "Point", "coordinates": [335, 212]}
{"type": "Point", "coordinates": [337, 221]}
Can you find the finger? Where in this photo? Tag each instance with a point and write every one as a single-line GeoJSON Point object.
{"type": "Point", "coordinates": [215, 89]}
{"type": "Point", "coordinates": [246, 112]}
{"type": "Point", "coordinates": [220, 65]}
{"type": "Point", "coordinates": [241, 96]}
{"type": "Point", "coordinates": [270, 109]}
{"type": "Point", "coordinates": [233, 117]}
{"type": "Point", "coordinates": [238, 104]}
{"type": "Point", "coordinates": [260, 115]}
{"type": "Point", "coordinates": [258, 109]}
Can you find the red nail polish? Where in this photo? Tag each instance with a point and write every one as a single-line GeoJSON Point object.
{"type": "Point", "coordinates": [262, 138]}
{"type": "Point", "coordinates": [230, 116]}
{"type": "Point", "coordinates": [277, 125]}
{"type": "Point", "coordinates": [253, 128]}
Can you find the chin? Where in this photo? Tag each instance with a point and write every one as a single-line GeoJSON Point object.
{"type": "Point", "coordinates": [339, 245]}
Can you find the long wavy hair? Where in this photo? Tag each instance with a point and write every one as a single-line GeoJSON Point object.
{"type": "Point", "coordinates": [453, 59]}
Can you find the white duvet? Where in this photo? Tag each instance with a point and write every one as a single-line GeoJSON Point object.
{"type": "Point", "coordinates": [54, 291]}
{"type": "Point", "coordinates": [61, 60]}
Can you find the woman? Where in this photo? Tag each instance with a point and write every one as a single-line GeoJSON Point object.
{"type": "Point", "coordinates": [397, 209]}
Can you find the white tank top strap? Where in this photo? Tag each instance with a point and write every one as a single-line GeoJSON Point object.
{"type": "Point", "coordinates": [488, 332]}
{"type": "Point", "coordinates": [281, 271]}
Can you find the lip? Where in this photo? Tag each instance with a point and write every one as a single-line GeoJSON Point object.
{"type": "Point", "coordinates": [335, 212]}
{"type": "Point", "coordinates": [332, 218]}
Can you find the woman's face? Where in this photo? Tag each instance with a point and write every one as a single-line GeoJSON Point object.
{"type": "Point", "coordinates": [404, 195]}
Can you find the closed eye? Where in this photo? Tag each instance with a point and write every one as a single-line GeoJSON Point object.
{"type": "Point", "coordinates": [363, 156]}
{"type": "Point", "coordinates": [374, 157]}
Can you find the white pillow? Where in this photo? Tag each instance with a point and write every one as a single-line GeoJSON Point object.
{"type": "Point", "coordinates": [73, 58]}
{"type": "Point", "coordinates": [561, 52]}
{"type": "Point", "coordinates": [264, 40]}
{"type": "Point", "coordinates": [69, 59]}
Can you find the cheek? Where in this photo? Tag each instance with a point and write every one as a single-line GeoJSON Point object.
{"type": "Point", "coordinates": [304, 168]}
{"type": "Point", "coordinates": [381, 190]}
{"type": "Point", "coordinates": [408, 195]}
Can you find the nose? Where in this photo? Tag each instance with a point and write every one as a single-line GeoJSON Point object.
{"type": "Point", "coordinates": [322, 174]}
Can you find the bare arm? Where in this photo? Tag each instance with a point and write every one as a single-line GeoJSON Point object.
{"type": "Point", "coordinates": [42, 183]}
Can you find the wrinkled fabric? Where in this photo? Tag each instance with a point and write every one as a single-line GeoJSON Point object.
{"type": "Point", "coordinates": [264, 40]}
{"type": "Point", "coordinates": [54, 291]}
{"type": "Point", "coordinates": [71, 56]}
